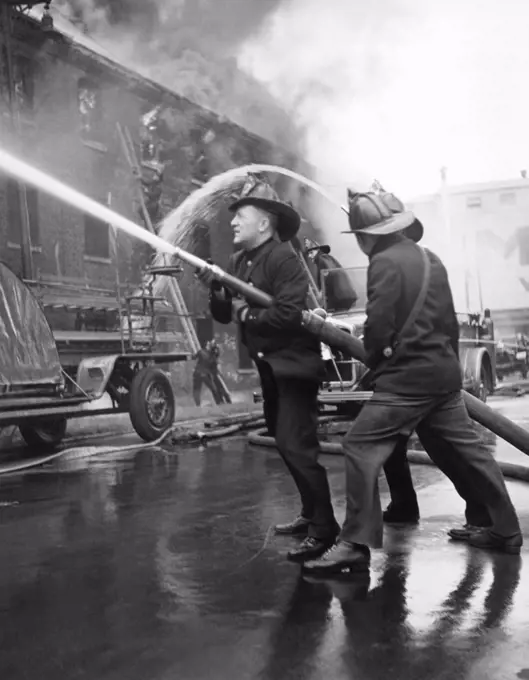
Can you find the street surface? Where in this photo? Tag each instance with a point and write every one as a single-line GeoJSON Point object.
{"type": "Point", "coordinates": [158, 565]}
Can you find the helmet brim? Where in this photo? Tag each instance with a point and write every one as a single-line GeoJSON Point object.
{"type": "Point", "coordinates": [404, 223]}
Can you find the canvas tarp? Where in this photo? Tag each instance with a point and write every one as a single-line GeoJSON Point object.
{"type": "Point", "coordinates": [28, 355]}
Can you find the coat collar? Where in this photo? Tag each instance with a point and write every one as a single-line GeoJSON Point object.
{"type": "Point", "coordinates": [250, 254]}
{"type": "Point", "coordinates": [385, 242]}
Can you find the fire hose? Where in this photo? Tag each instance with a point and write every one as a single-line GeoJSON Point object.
{"type": "Point", "coordinates": [229, 426]}
{"type": "Point", "coordinates": [331, 335]}
{"type": "Point", "coordinates": [180, 433]}
{"type": "Point", "coordinates": [510, 470]}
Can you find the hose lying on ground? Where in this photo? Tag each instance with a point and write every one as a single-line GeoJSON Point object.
{"type": "Point", "coordinates": [511, 470]}
{"type": "Point", "coordinates": [216, 429]}
{"type": "Point", "coordinates": [225, 427]}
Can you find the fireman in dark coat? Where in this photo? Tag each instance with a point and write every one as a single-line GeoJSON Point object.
{"type": "Point", "coordinates": [417, 386]}
{"type": "Point", "coordinates": [287, 357]}
{"type": "Point", "coordinates": [207, 373]}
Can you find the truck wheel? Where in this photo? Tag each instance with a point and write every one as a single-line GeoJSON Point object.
{"type": "Point", "coordinates": [45, 435]}
{"type": "Point", "coordinates": [152, 403]}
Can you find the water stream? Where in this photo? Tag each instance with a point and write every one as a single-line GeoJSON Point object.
{"type": "Point", "coordinates": [201, 205]}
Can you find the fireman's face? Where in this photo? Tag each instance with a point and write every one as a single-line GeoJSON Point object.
{"type": "Point", "coordinates": [249, 226]}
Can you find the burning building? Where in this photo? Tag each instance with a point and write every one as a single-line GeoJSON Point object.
{"type": "Point", "coordinates": [61, 101]}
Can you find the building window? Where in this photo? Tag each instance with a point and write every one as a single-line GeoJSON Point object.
{"type": "Point", "coordinates": [96, 238]}
{"type": "Point", "coordinates": [14, 213]}
{"type": "Point", "coordinates": [522, 236]}
{"type": "Point", "coordinates": [90, 110]}
{"type": "Point", "coordinates": [508, 198]}
{"type": "Point", "coordinates": [474, 202]}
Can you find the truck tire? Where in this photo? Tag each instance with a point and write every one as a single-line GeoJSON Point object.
{"type": "Point", "coordinates": [152, 403]}
{"type": "Point", "coordinates": [46, 435]}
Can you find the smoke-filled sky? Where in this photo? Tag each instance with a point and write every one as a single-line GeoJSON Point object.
{"type": "Point", "coordinates": [396, 89]}
{"type": "Point", "coordinates": [392, 89]}
{"type": "Point", "coordinates": [189, 46]}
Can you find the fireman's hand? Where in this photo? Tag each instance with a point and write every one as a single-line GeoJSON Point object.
{"type": "Point", "coordinates": [239, 310]}
{"type": "Point", "coordinates": [208, 277]}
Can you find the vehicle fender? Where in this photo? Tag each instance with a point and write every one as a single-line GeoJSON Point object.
{"type": "Point", "coordinates": [471, 359]}
{"type": "Point", "coordinates": [94, 373]}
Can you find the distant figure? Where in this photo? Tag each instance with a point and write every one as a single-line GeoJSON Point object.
{"type": "Point", "coordinates": [207, 373]}
{"type": "Point", "coordinates": [340, 295]}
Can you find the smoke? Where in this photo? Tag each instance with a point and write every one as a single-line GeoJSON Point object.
{"type": "Point", "coordinates": [396, 89]}
{"type": "Point", "coordinates": [336, 68]}
{"type": "Point", "coordinates": [190, 47]}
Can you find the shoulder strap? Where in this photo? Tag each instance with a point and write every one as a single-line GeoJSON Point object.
{"type": "Point", "coordinates": [421, 297]}
{"type": "Point", "coordinates": [418, 305]}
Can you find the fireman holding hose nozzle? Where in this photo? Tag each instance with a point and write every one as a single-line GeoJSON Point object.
{"type": "Point", "coordinates": [287, 357]}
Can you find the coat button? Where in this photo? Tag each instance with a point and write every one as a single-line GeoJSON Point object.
{"type": "Point", "coordinates": [388, 352]}
{"type": "Point", "coordinates": [260, 355]}
{"type": "Point", "coordinates": [249, 263]}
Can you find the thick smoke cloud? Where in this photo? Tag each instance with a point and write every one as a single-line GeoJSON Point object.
{"type": "Point", "coordinates": [397, 89]}
{"type": "Point", "coordinates": [191, 47]}
{"type": "Point", "coordinates": [400, 88]}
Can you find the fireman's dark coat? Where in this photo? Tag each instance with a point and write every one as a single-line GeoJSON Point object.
{"type": "Point", "coordinates": [427, 360]}
{"type": "Point", "coordinates": [274, 335]}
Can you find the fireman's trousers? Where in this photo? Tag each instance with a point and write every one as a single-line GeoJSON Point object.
{"type": "Point", "coordinates": [400, 482]}
{"type": "Point", "coordinates": [373, 438]}
{"type": "Point", "coordinates": [291, 414]}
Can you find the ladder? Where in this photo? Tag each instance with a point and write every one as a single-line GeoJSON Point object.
{"type": "Point", "coordinates": [175, 294]}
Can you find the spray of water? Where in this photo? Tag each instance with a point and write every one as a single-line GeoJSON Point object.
{"type": "Point", "coordinates": [200, 205]}
{"type": "Point", "coordinates": [27, 173]}
{"type": "Point", "coordinates": [203, 203]}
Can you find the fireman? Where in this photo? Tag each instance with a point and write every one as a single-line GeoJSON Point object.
{"type": "Point", "coordinates": [287, 357]}
{"type": "Point", "coordinates": [207, 373]}
{"type": "Point", "coordinates": [411, 339]}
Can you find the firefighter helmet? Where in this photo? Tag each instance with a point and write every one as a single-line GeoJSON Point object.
{"type": "Point", "coordinates": [381, 213]}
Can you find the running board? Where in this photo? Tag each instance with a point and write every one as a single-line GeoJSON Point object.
{"type": "Point", "coordinates": [343, 396]}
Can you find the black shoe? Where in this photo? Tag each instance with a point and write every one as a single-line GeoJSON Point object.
{"type": "Point", "coordinates": [465, 532]}
{"type": "Point", "coordinates": [486, 539]}
{"type": "Point", "coordinates": [299, 527]}
{"type": "Point", "coordinates": [401, 514]}
{"type": "Point", "coordinates": [310, 549]}
{"type": "Point", "coordinates": [342, 557]}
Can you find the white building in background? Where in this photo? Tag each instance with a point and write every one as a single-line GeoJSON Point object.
{"type": "Point", "coordinates": [482, 233]}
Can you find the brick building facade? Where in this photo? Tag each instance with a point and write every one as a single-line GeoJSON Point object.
{"type": "Point", "coordinates": [70, 99]}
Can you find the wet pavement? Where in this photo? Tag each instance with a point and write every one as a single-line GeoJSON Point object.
{"type": "Point", "coordinates": [160, 565]}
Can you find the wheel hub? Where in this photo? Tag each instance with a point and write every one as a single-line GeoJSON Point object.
{"type": "Point", "coordinates": [157, 404]}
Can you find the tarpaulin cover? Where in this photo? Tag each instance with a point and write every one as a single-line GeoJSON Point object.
{"type": "Point", "coordinates": [28, 355]}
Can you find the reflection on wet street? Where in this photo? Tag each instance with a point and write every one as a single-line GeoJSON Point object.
{"type": "Point", "coordinates": [157, 565]}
